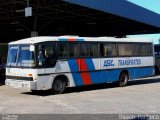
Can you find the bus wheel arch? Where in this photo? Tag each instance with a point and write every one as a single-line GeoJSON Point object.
{"type": "Point", "coordinates": [123, 78]}
{"type": "Point", "coordinates": [59, 84]}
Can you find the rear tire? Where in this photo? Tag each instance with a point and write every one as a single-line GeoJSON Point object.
{"type": "Point", "coordinates": [123, 79]}
{"type": "Point", "coordinates": [58, 86]}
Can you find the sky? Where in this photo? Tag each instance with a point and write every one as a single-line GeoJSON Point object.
{"type": "Point", "coordinates": [153, 5]}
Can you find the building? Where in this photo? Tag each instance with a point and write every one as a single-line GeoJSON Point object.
{"type": "Point", "coordinates": [74, 17]}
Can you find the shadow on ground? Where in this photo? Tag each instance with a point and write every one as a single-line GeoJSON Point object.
{"type": "Point", "coordinates": [94, 87]}
{"type": "Point", "coordinates": [2, 81]}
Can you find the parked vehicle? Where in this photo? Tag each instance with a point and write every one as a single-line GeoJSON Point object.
{"type": "Point", "coordinates": [157, 58]}
{"type": "Point", "coordinates": [43, 63]}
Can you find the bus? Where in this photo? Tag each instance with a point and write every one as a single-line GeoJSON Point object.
{"type": "Point", "coordinates": [157, 58]}
{"type": "Point", "coordinates": [54, 63]}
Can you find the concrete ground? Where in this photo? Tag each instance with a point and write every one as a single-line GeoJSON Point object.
{"type": "Point", "coordinates": [141, 96]}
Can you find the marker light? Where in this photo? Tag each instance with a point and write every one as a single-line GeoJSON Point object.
{"type": "Point", "coordinates": [30, 75]}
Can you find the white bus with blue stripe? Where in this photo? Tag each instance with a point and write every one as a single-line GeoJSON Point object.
{"type": "Point", "coordinates": [43, 63]}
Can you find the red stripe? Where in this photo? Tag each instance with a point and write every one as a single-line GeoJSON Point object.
{"type": "Point", "coordinates": [85, 75]}
{"type": "Point", "coordinates": [71, 39]}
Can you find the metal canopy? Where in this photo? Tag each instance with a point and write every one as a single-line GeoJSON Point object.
{"type": "Point", "coordinates": [75, 17]}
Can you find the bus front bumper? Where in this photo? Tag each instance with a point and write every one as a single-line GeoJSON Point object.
{"type": "Point", "coordinates": [21, 84]}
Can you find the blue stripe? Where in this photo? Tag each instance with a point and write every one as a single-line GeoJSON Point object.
{"type": "Point", "coordinates": [63, 39]}
{"type": "Point", "coordinates": [105, 76]}
{"type": "Point", "coordinates": [90, 64]}
{"type": "Point", "coordinates": [79, 39]}
{"type": "Point", "coordinates": [96, 77]}
{"type": "Point", "coordinates": [101, 76]}
{"type": "Point", "coordinates": [76, 76]}
{"type": "Point", "coordinates": [140, 72]}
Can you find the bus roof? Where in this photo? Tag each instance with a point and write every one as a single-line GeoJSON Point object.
{"type": "Point", "coordinates": [34, 40]}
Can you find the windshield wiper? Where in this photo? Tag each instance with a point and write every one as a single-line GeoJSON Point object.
{"type": "Point", "coordinates": [20, 58]}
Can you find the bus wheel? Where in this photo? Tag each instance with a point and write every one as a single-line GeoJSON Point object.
{"type": "Point", "coordinates": [58, 86]}
{"type": "Point", "coordinates": [123, 79]}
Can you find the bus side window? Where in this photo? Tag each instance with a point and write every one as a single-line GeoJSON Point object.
{"type": "Point", "coordinates": [63, 50]}
{"type": "Point", "coordinates": [49, 55]}
{"type": "Point", "coordinates": [136, 49]}
{"type": "Point", "coordinates": [109, 49]}
{"type": "Point", "coordinates": [142, 50]}
{"type": "Point", "coordinates": [150, 48]}
{"type": "Point", "coordinates": [125, 49]}
{"type": "Point", "coordinates": [46, 55]}
{"type": "Point", "coordinates": [84, 49]}
{"type": "Point", "coordinates": [73, 50]}
{"type": "Point", "coordinates": [94, 50]}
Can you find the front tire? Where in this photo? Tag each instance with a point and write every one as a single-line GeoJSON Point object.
{"type": "Point", "coordinates": [58, 86]}
{"type": "Point", "coordinates": [123, 79]}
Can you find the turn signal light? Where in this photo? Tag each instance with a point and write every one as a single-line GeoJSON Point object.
{"type": "Point", "coordinates": [30, 75]}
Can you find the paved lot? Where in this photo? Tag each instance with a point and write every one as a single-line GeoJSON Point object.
{"type": "Point", "coordinates": [142, 96]}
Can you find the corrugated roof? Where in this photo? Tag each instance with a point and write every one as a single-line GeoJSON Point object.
{"type": "Point", "coordinates": [122, 8]}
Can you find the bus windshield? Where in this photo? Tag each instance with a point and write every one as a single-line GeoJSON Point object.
{"type": "Point", "coordinates": [21, 55]}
